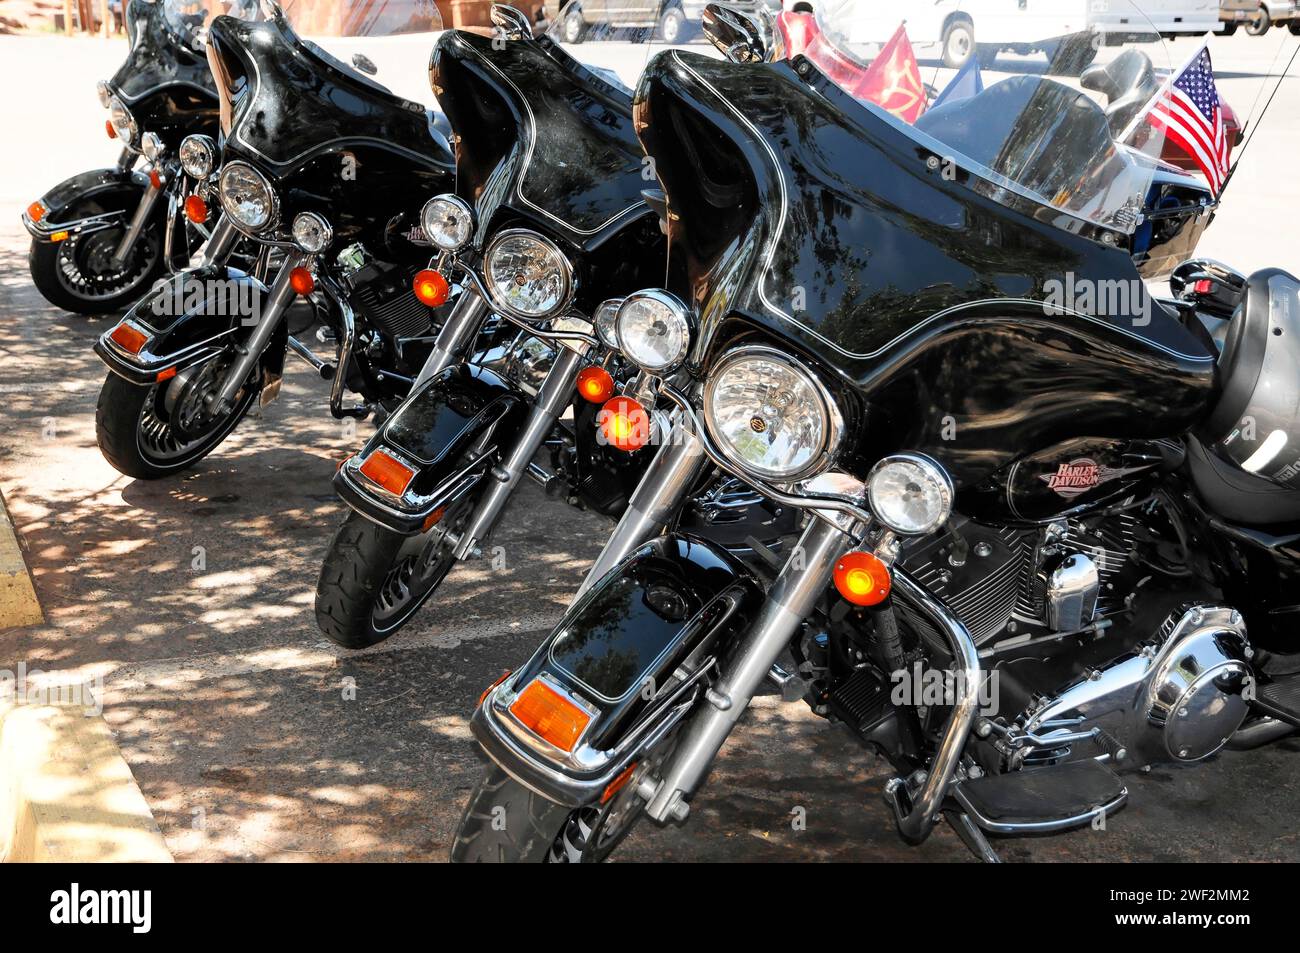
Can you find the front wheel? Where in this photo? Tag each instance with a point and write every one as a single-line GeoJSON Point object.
{"type": "Point", "coordinates": [79, 275]}
{"type": "Point", "coordinates": [505, 823]}
{"type": "Point", "coordinates": [373, 580]}
{"type": "Point", "coordinates": [958, 44]}
{"type": "Point", "coordinates": [152, 431]}
{"type": "Point", "coordinates": [672, 25]}
{"type": "Point", "coordinates": [1259, 24]}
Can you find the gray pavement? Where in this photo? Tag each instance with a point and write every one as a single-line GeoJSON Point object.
{"type": "Point", "coordinates": [252, 738]}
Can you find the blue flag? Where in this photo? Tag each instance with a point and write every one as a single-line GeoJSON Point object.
{"type": "Point", "coordinates": [964, 85]}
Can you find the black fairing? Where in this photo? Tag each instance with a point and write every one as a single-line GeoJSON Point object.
{"type": "Point", "coordinates": [316, 127]}
{"type": "Point", "coordinates": [166, 84]}
{"type": "Point", "coordinates": [807, 218]}
{"type": "Point", "coordinates": [549, 145]}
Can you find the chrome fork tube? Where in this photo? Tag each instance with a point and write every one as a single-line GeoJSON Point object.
{"type": "Point", "coordinates": [138, 222]}
{"type": "Point", "coordinates": [657, 498]}
{"type": "Point", "coordinates": [462, 324]}
{"type": "Point", "coordinates": [791, 599]}
{"type": "Point", "coordinates": [219, 244]}
{"type": "Point", "coordinates": [555, 393]}
{"type": "Point", "coordinates": [278, 300]}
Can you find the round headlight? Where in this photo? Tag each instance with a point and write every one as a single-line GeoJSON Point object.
{"type": "Point", "coordinates": [197, 154]}
{"type": "Point", "coordinates": [526, 274]}
{"type": "Point", "coordinates": [151, 145]}
{"type": "Point", "coordinates": [910, 493]}
{"type": "Point", "coordinates": [654, 330]}
{"type": "Point", "coordinates": [123, 122]}
{"type": "Point", "coordinates": [604, 320]}
{"type": "Point", "coordinates": [769, 416]}
{"type": "Point", "coordinates": [247, 196]}
{"type": "Point", "coordinates": [448, 221]}
{"type": "Point", "coordinates": [311, 232]}
{"type": "Point", "coordinates": [104, 92]}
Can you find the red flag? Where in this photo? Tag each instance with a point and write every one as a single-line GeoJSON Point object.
{"type": "Point", "coordinates": [893, 80]}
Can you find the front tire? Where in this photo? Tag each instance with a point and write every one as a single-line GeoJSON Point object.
{"type": "Point", "coordinates": [77, 275]}
{"type": "Point", "coordinates": [135, 434]}
{"type": "Point", "coordinates": [505, 823]}
{"type": "Point", "coordinates": [1259, 24]}
{"type": "Point", "coordinates": [958, 44]}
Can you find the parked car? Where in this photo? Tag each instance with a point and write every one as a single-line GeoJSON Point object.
{"type": "Point", "coordinates": [677, 20]}
{"type": "Point", "coordinates": [1258, 15]}
{"type": "Point", "coordinates": [1170, 18]}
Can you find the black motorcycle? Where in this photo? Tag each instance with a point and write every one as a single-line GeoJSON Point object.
{"type": "Point", "coordinates": [317, 168]}
{"type": "Point", "coordinates": [550, 224]}
{"type": "Point", "coordinates": [101, 238]}
{"type": "Point", "coordinates": [1047, 535]}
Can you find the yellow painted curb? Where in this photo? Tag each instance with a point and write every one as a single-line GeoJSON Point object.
{"type": "Point", "coordinates": [18, 603]}
{"type": "Point", "coordinates": [66, 793]}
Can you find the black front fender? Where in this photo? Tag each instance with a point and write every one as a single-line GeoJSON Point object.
{"type": "Point", "coordinates": [632, 652]}
{"type": "Point", "coordinates": [465, 408]}
{"type": "Point", "coordinates": [186, 320]}
{"type": "Point", "coordinates": [113, 188]}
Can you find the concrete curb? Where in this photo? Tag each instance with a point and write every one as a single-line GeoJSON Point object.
{"type": "Point", "coordinates": [18, 603]}
{"type": "Point", "coordinates": [66, 793]}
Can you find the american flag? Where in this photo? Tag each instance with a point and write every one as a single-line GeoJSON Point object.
{"type": "Point", "coordinates": [1189, 113]}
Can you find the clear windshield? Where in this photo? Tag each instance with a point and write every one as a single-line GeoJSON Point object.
{"type": "Point", "coordinates": [187, 20]}
{"type": "Point", "coordinates": [388, 42]}
{"type": "Point", "coordinates": [1067, 104]}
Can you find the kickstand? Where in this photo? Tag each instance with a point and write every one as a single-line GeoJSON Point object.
{"type": "Point", "coordinates": [972, 836]}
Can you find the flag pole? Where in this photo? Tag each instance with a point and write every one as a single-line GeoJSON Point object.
{"type": "Point", "coordinates": [1164, 88]}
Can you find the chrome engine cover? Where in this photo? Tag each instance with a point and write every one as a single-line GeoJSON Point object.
{"type": "Point", "coordinates": [1177, 699]}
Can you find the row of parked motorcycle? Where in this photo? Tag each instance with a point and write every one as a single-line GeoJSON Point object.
{"type": "Point", "coordinates": [804, 355]}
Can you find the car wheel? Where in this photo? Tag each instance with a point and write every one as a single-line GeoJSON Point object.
{"type": "Point", "coordinates": [958, 44]}
{"type": "Point", "coordinates": [574, 29]}
{"type": "Point", "coordinates": [1294, 26]}
{"type": "Point", "coordinates": [672, 25]}
{"type": "Point", "coordinates": [1229, 28]}
{"type": "Point", "coordinates": [1259, 25]}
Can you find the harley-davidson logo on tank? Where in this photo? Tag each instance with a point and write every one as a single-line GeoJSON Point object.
{"type": "Point", "coordinates": [1079, 476]}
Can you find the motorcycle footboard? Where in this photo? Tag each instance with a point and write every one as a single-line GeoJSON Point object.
{"type": "Point", "coordinates": [626, 664]}
{"type": "Point", "coordinates": [448, 434]}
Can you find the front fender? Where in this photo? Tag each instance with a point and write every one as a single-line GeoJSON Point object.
{"type": "Point", "coordinates": [186, 320]}
{"type": "Point", "coordinates": [465, 408]}
{"type": "Point", "coordinates": [631, 652]}
{"type": "Point", "coordinates": [113, 187]}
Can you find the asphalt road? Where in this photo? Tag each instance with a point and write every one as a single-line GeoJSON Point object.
{"type": "Point", "coordinates": [254, 739]}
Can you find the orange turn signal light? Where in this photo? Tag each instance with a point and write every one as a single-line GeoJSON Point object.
{"type": "Point", "coordinates": [862, 579]}
{"type": "Point", "coordinates": [196, 210]}
{"type": "Point", "coordinates": [155, 179]}
{"type": "Point", "coordinates": [108, 125]}
{"type": "Point", "coordinates": [60, 236]}
{"type": "Point", "coordinates": [382, 469]}
{"type": "Point", "coordinates": [549, 715]}
{"type": "Point", "coordinates": [431, 288]}
{"type": "Point", "coordinates": [624, 424]}
{"type": "Point", "coordinates": [618, 783]}
{"type": "Point", "coordinates": [36, 211]}
{"type": "Point", "coordinates": [131, 340]}
{"type": "Point", "coordinates": [595, 384]}
{"type": "Point", "coordinates": [166, 375]}
{"type": "Point", "coordinates": [301, 281]}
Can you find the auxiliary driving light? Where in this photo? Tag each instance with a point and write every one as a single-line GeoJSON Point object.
{"type": "Point", "coordinates": [431, 288]}
{"type": "Point", "coordinates": [595, 384]}
{"type": "Point", "coordinates": [862, 579]}
{"type": "Point", "coordinates": [387, 472]}
{"type": "Point", "coordinates": [550, 715]}
{"type": "Point", "coordinates": [624, 424]}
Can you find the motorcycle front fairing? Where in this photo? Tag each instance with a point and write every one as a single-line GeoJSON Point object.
{"type": "Point", "coordinates": [550, 146]}
{"type": "Point", "coordinates": [920, 290]}
{"type": "Point", "coordinates": [165, 80]}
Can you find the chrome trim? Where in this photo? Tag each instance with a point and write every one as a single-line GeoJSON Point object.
{"type": "Point", "coordinates": [138, 222]}
{"type": "Point", "coordinates": [932, 467]}
{"type": "Point", "coordinates": [349, 321]}
{"type": "Point", "coordinates": [824, 455]}
{"type": "Point", "coordinates": [1039, 827]}
{"type": "Point", "coordinates": [566, 272]}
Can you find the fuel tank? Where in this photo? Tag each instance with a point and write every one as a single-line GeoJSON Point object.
{"type": "Point", "coordinates": [947, 313]}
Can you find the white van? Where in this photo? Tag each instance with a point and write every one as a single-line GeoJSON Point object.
{"type": "Point", "coordinates": [1167, 17]}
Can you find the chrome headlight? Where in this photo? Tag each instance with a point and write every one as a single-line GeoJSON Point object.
{"type": "Point", "coordinates": [122, 120]}
{"type": "Point", "coordinates": [770, 416]}
{"type": "Point", "coordinates": [654, 330]}
{"type": "Point", "coordinates": [448, 221]}
{"type": "Point", "coordinates": [197, 155]}
{"type": "Point", "coordinates": [605, 320]}
{"type": "Point", "coordinates": [311, 232]}
{"type": "Point", "coordinates": [151, 145]}
{"type": "Point", "coordinates": [104, 92]}
{"type": "Point", "coordinates": [910, 493]}
{"type": "Point", "coordinates": [247, 196]}
{"type": "Point", "coordinates": [526, 274]}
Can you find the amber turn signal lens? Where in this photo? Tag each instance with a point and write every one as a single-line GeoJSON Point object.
{"type": "Point", "coordinates": [36, 211]}
{"type": "Point", "coordinates": [862, 579]}
{"type": "Point", "coordinates": [301, 281]}
{"type": "Point", "coordinates": [617, 784]}
{"type": "Point", "coordinates": [60, 236]}
{"type": "Point", "coordinates": [112, 133]}
{"type": "Point", "coordinates": [384, 470]}
{"type": "Point", "coordinates": [196, 210]}
{"type": "Point", "coordinates": [130, 339]}
{"type": "Point", "coordinates": [595, 384]}
{"type": "Point", "coordinates": [155, 179]}
{"type": "Point", "coordinates": [624, 424]}
{"type": "Point", "coordinates": [431, 288]}
{"type": "Point", "coordinates": [166, 375]}
{"type": "Point", "coordinates": [549, 715]}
